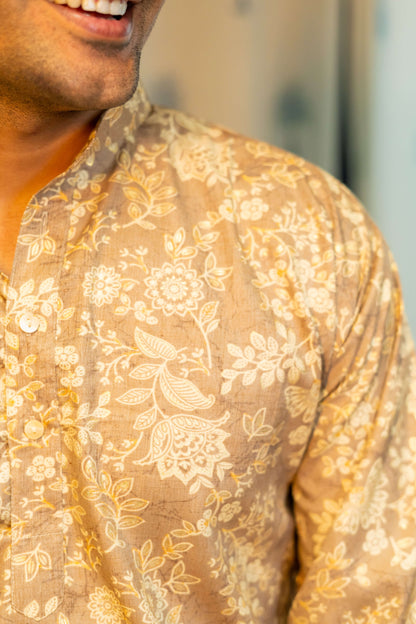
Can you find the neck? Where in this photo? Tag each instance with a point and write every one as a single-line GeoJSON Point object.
{"type": "Point", "coordinates": [35, 148]}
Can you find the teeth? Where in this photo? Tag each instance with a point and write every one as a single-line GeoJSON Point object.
{"type": "Point", "coordinates": [117, 7]}
{"type": "Point", "coordinates": [105, 7]}
{"type": "Point", "coordinates": [88, 5]}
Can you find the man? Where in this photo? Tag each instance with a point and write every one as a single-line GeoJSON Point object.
{"type": "Point", "coordinates": [208, 389]}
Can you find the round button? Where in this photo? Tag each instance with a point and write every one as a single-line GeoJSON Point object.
{"type": "Point", "coordinates": [34, 429]}
{"type": "Point", "coordinates": [29, 323]}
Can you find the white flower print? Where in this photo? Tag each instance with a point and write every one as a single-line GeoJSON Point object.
{"type": "Point", "coordinates": [13, 401]}
{"type": "Point", "coordinates": [200, 158]}
{"type": "Point", "coordinates": [174, 289]}
{"type": "Point", "coordinates": [320, 300]}
{"type": "Point", "coordinates": [105, 607]}
{"type": "Point", "coordinates": [12, 364]}
{"type": "Point", "coordinates": [42, 468]}
{"type": "Point", "coordinates": [65, 357]}
{"type": "Point", "coordinates": [153, 604]}
{"type": "Point", "coordinates": [253, 209]}
{"type": "Point", "coordinates": [226, 210]}
{"type": "Point", "coordinates": [376, 541]}
{"type": "Point", "coordinates": [229, 511]}
{"type": "Point", "coordinates": [206, 522]}
{"type": "Point", "coordinates": [102, 285]}
{"type": "Point", "coordinates": [74, 379]}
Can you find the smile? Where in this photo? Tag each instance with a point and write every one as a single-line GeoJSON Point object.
{"type": "Point", "coordinates": [115, 8]}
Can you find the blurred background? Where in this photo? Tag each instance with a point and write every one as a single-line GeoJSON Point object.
{"type": "Point", "coordinates": [331, 80]}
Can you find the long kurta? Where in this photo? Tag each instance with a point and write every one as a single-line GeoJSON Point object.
{"type": "Point", "coordinates": [208, 391]}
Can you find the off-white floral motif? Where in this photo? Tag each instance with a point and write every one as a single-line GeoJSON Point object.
{"type": "Point", "coordinates": [302, 402]}
{"type": "Point", "coordinates": [319, 300]}
{"type": "Point", "coordinates": [42, 468]}
{"type": "Point", "coordinates": [299, 435]}
{"type": "Point", "coordinates": [200, 158]}
{"type": "Point", "coordinates": [253, 209]}
{"type": "Point", "coordinates": [228, 511]}
{"type": "Point", "coordinates": [226, 210]}
{"type": "Point", "coordinates": [13, 401]}
{"type": "Point", "coordinates": [153, 604]}
{"type": "Point", "coordinates": [206, 522]}
{"type": "Point", "coordinates": [376, 541]}
{"type": "Point", "coordinates": [102, 285]}
{"type": "Point", "coordinates": [74, 379]}
{"type": "Point", "coordinates": [105, 607]}
{"type": "Point", "coordinates": [277, 321]}
{"type": "Point", "coordinates": [66, 357]}
{"type": "Point", "coordinates": [12, 364]}
{"type": "Point", "coordinates": [365, 506]}
{"type": "Point", "coordinates": [174, 289]}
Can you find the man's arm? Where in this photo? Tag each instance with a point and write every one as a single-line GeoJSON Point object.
{"type": "Point", "coordinates": [355, 490]}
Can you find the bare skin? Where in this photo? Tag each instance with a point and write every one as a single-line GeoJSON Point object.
{"type": "Point", "coordinates": [55, 79]}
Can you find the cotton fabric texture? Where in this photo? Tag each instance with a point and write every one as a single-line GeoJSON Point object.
{"type": "Point", "coordinates": [208, 391]}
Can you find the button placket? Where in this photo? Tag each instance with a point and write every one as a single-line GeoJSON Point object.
{"type": "Point", "coordinates": [37, 566]}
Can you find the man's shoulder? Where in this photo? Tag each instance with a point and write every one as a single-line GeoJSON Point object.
{"type": "Point", "coordinates": [211, 153]}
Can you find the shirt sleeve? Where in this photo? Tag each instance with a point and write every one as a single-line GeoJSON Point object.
{"type": "Point", "coordinates": [354, 493]}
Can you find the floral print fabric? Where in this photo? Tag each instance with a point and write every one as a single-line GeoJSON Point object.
{"type": "Point", "coordinates": [210, 416]}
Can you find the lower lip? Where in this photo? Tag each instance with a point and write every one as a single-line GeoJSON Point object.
{"type": "Point", "coordinates": [99, 27]}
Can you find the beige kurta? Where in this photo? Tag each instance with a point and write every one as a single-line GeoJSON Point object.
{"type": "Point", "coordinates": [208, 392]}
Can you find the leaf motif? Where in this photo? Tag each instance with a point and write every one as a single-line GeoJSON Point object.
{"type": "Point", "coordinates": [234, 350]}
{"type": "Point", "coordinates": [124, 159]}
{"type": "Point", "coordinates": [215, 283]}
{"type": "Point", "coordinates": [249, 377]}
{"type": "Point", "coordinates": [267, 379]}
{"type": "Point", "coordinates": [159, 444]}
{"type": "Point", "coordinates": [12, 340]}
{"type": "Point", "coordinates": [32, 609]}
{"type": "Point", "coordinates": [51, 605]}
{"type": "Point", "coordinates": [146, 550]}
{"type": "Point", "coordinates": [104, 398]}
{"type": "Point", "coordinates": [135, 194]}
{"type": "Point", "coordinates": [134, 504]}
{"type": "Point", "coordinates": [258, 341]}
{"type": "Point", "coordinates": [210, 262]}
{"type": "Point", "coordinates": [104, 480]}
{"type": "Point", "coordinates": [196, 425]}
{"type": "Point", "coordinates": [120, 177]}
{"type": "Point", "coordinates": [130, 522]}
{"type": "Point", "coordinates": [154, 564]}
{"type": "Point", "coordinates": [153, 346]}
{"type": "Point", "coordinates": [89, 469]}
{"type": "Point", "coordinates": [281, 330]}
{"type": "Point", "coordinates": [106, 511]}
{"type": "Point", "coordinates": [31, 569]}
{"type": "Point", "coordinates": [208, 312]}
{"type": "Point", "coordinates": [27, 288]}
{"type": "Point", "coordinates": [162, 209]}
{"type": "Point", "coordinates": [111, 531]}
{"type": "Point", "coordinates": [146, 419]}
{"type": "Point", "coordinates": [122, 487]}
{"type": "Point", "coordinates": [44, 559]}
{"type": "Point", "coordinates": [147, 225]}
{"type": "Point", "coordinates": [135, 396]}
{"type": "Point", "coordinates": [134, 212]}
{"type": "Point", "coordinates": [183, 393]}
{"type": "Point", "coordinates": [46, 285]}
{"type": "Point", "coordinates": [167, 192]}
{"type": "Point", "coordinates": [145, 371]}
{"type": "Point", "coordinates": [155, 180]}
